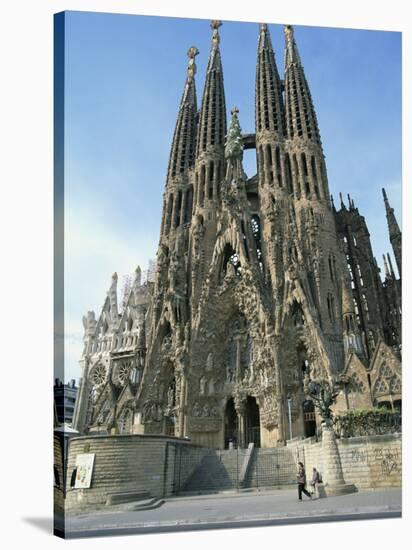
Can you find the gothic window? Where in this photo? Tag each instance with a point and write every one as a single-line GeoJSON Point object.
{"type": "Point", "coordinates": [202, 185]}
{"type": "Point", "coordinates": [289, 173]}
{"type": "Point", "coordinates": [98, 376]}
{"type": "Point", "coordinates": [229, 255]}
{"type": "Point", "coordinates": [171, 394]}
{"type": "Point", "coordinates": [298, 316]}
{"type": "Point", "coordinates": [305, 165]}
{"type": "Point", "coordinates": [189, 205]}
{"type": "Point", "coordinates": [278, 166]}
{"type": "Point", "coordinates": [255, 222]}
{"type": "Point", "coordinates": [331, 267]}
{"type": "Point", "coordinates": [331, 308]}
{"type": "Point", "coordinates": [232, 360]}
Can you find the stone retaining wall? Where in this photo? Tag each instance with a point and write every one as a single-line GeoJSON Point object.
{"type": "Point", "coordinates": [367, 462]}
{"type": "Point", "coordinates": [127, 463]}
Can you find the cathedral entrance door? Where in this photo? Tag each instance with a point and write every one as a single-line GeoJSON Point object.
{"type": "Point", "coordinates": [252, 422]}
{"type": "Point", "coordinates": [231, 424]}
{"type": "Point", "coordinates": [309, 418]}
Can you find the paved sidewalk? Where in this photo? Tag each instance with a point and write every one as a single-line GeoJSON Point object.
{"type": "Point", "coordinates": [237, 510]}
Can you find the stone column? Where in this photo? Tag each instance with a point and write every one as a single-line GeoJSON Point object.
{"type": "Point", "coordinates": [241, 425]}
{"type": "Point", "coordinates": [334, 482]}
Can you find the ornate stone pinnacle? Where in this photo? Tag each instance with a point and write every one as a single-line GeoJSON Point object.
{"type": "Point", "coordinates": [114, 276]}
{"type": "Point", "coordinates": [234, 111]}
{"type": "Point", "coordinates": [288, 31]}
{"type": "Point", "coordinates": [192, 52]}
{"type": "Point", "coordinates": [215, 24]}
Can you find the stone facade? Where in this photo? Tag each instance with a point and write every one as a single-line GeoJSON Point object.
{"type": "Point", "coordinates": [261, 284]}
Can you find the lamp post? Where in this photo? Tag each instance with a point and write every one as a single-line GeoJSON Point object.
{"type": "Point", "coordinates": [290, 415]}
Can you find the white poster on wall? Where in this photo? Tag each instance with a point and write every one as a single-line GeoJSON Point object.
{"type": "Point", "coordinates": [84, 466]}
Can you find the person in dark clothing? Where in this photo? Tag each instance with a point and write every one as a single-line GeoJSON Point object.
{"type": "Point", "coordinates": [302, 481]}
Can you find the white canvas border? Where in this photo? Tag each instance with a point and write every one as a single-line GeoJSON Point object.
{"type": "Point", "coordinates": [26, 274]}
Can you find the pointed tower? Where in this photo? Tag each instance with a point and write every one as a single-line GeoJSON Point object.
{"type": "Point", "coordinates": [209, 165]}
{"type": "Point", "coordinates": [302, 128]}
{"type": "Point", "coordinates": [178, 198]}
{"type": "Point", "coordinates": [178, 195]}
{"type": "Point", "coordinates": [395, 234]}
{"type": "Point", "coordinates": [269, 115]}
{"type": "Point", "coordinates": [274, 168]}
{"type": "Point", "coordinates": [209, 168]}
{"type": "Point", "coordinates": [316, 231]}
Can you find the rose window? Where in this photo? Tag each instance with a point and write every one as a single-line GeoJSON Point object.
{"type": "Point", "coordinates": [99, 375]}
{"type": "Point", "coordinates": [123, 373]}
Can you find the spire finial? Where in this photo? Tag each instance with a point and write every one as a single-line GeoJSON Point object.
{"type": "Point", "coordinates": [291, 51]}
{"type": "Point", "coordinates": [234, 110]}
{"type": "Point", "coordinates": [332, 201]}
{"type": "Point", "coordinates": [192, 52]}
{"type": "Point", "coordinates": [385, 198]}
{"type": "Point", "coordinates": [288, 32]}
{"type": "Point", "coordinates": [342, 204]}
{"type": "Point", "coordinates": [215, 24]}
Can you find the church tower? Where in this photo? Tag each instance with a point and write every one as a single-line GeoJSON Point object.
{"type": "Point", "coordinates": [210, 162]}
{"type": "Point", "coordinates": [316, 232]}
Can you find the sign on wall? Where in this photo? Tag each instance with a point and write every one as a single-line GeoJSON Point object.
{"type": "Point", "coordinates": [84, 470]}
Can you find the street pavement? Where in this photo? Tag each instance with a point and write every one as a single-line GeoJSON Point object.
{"type": "Point", "coordinates": [228, 510]}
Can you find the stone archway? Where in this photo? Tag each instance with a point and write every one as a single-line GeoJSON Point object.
{"type": "Point", "coordinates": [252, 422]}
{"type": "Point", "coordinates": [231, 424]}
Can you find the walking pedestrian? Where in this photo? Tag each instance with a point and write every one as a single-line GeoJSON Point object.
{"type": "Point", "coordinates": [302, 482]}
{"type": "Point", "coordinates": [315, 480]}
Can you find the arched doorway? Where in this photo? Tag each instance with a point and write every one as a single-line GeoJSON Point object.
{"type": "Point", "coordinates": [309, 418]}
{"type": "Point", "coordinates": [252, 422]}
{"type": "Point", "coordinates": [231, 424]}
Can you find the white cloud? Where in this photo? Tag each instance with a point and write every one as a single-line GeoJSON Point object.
{"type": "Point", "coordinates": [93, 251]}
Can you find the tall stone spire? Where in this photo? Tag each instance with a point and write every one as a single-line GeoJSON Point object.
{"type": "Point", "coordinates": [268, 101]}
{"type": "Point", "coordinates": [211, 128]}
{"type": "Point", "coordinates": [273, 167]}
{"type": "Point", "coordinates": [212, 124]}
{"type": "Point", "coordinates": [178, 198]}
{"type": "Point", "coordinates": [302, 130]}
{"type": "Point", "coordinates": [395, 234]}
{"type": "Point", "coordinates": [301, 118]}
{"type": "Point", "coordinates": [184, 140]}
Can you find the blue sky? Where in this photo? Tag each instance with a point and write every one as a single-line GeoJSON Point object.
{"type": "Point", "coordinates": [124, 79]}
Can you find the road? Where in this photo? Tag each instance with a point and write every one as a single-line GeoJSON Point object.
{"type": "Point", "coordinates": [237, 510]}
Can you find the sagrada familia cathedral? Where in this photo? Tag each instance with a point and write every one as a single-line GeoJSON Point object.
{"type": "Point", "coordinates": [261, 284]}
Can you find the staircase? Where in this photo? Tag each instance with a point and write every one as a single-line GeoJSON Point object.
{"type": "Point", "coordinates": [272, 467]}
{"type": "Point", "coordinates": [218, 471]}
{"type": "Point", "coordinates": [221, 470]}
